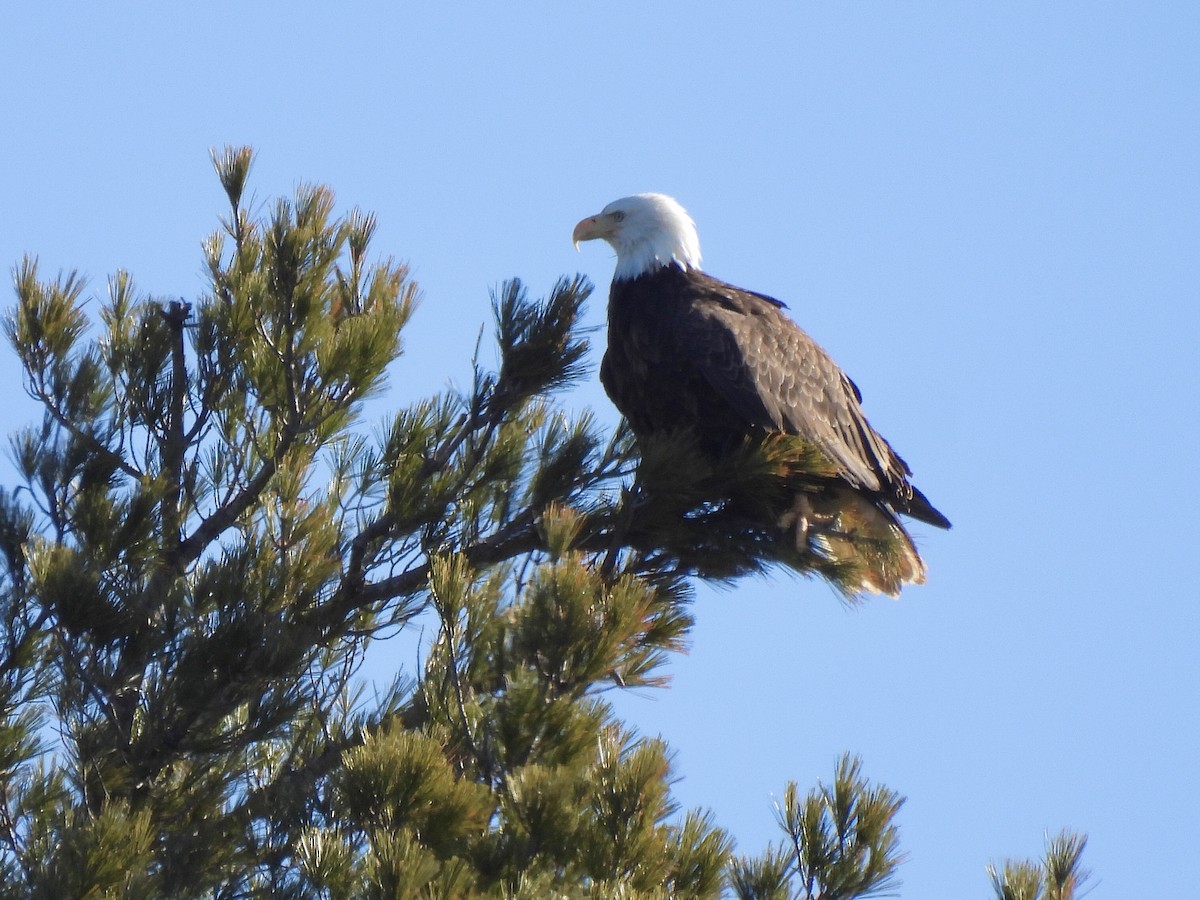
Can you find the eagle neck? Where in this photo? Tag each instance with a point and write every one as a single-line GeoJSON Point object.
{"type": "Point", "coordinates": [653, 269]}
{"type": "Point", "coordinates": [642, 251]}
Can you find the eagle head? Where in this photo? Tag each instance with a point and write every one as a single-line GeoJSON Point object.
{"type": "Point", "coordinates": [648, 231]}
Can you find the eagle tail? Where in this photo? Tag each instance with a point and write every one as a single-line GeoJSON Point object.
{"type": "Point", "coordinates": [858, 536]}
{"type": "Point", "coordinates": [919, 507]}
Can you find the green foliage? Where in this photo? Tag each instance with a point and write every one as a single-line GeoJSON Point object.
{"type": "Point", "coordinates": [207, 541]}
{"type": "Point", "coordinates": [718, 518]}
{"type": "Point", "coordinates": [109, 854]}
{"type": "Point", "coordinates": [842, 842]}
{"type": "Point", "coordinates": [1059, 876]}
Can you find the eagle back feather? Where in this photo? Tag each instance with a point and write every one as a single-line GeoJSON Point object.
{"type": "Point", "coordinates": [687, 350]}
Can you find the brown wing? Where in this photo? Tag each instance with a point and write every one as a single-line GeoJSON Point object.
{"type": "Point", "coordinates": [778, 379]}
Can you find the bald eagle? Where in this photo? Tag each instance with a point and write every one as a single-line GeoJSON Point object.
{"type": "Point", "coordinates": [687, 352]}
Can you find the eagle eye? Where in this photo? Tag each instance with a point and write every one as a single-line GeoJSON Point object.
{"type": "Point", "coordinates": [618, 216]}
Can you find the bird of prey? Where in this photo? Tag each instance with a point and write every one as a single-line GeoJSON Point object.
{"type": "Point", "coordinates": [688, 352]}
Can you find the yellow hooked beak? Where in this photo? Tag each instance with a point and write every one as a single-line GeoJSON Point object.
{"type": "Point", "coordinates": [593, 227]}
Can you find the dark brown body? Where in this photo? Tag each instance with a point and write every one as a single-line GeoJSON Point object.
{"type": "Point", "coordinates": [689, 352]}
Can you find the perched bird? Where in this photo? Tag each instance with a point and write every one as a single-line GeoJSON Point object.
{"type": "Point", "coordinates": [687, 352]}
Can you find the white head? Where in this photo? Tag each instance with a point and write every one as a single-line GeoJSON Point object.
{"type": "Point", "coordinates": [648, 231]}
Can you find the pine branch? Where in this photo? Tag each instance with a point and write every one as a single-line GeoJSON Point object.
{"type": "Point", "coordinates": [518, 538]}
{"type": "Point", "coordinates": [173, 445]}
{"type": "Point", "coordinates": [115, 460]}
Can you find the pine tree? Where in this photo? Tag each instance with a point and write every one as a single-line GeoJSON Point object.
{"type": "Point", "coordinates": [1058, 876]}
{"type": "Point", "coordinates": [207, 539]}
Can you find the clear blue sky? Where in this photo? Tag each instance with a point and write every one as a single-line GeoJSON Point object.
{"type": "Point", "coordinates": [988, 212]}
